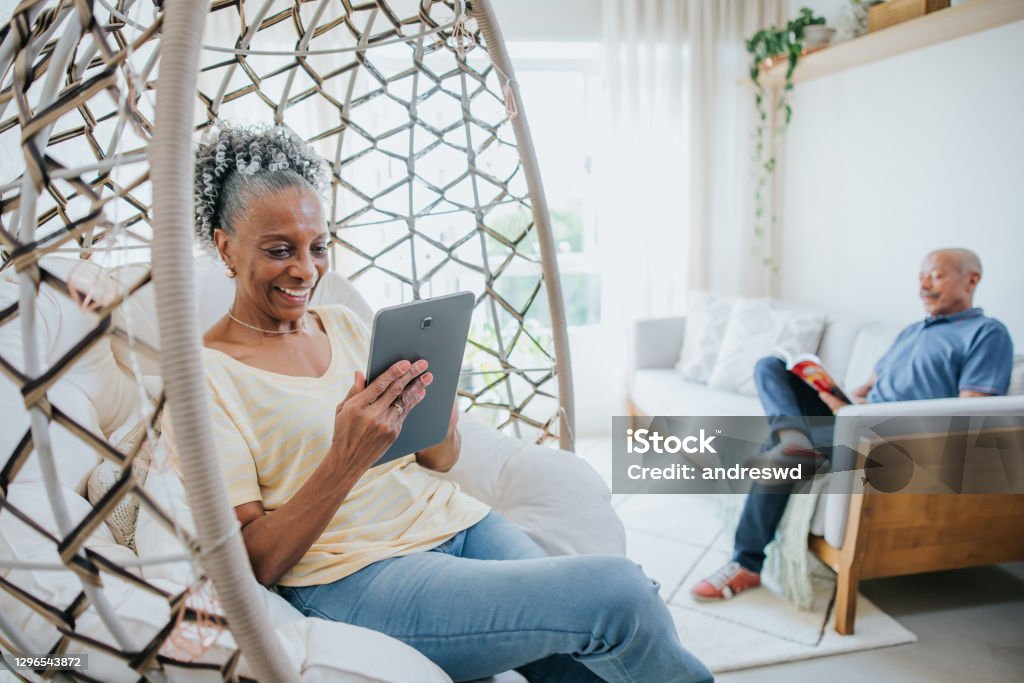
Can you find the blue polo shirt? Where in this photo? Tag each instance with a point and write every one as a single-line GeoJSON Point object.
{"type": "Point", "coordinates": [943, 355]}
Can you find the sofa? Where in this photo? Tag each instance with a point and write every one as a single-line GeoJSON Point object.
{"type": "Point", "coordinates": [860, 535]}
{"type": "Point", "coordinates": [553, 495]}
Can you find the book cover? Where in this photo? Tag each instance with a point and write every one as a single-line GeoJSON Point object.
{"type": "Point", "coordinates": [809, 368]}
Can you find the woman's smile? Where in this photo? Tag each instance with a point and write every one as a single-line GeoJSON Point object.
{"type": "Point", "coordinates": [297, 296]}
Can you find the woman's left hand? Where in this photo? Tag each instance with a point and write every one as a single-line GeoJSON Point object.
{"type": "Point", "coordinates": [444, 455]}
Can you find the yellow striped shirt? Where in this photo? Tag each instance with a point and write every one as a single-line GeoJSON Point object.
{"type": "Point", "coordinates": [273, 430]}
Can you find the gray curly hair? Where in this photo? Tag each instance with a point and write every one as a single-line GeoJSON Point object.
{"type": "Point", "coordinates": [236, 164]}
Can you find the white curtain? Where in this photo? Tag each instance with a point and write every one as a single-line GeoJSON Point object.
{"type": "Point", "coordinates": [673, 172]}
{"type": "Point", "coordinates": [676, 170]}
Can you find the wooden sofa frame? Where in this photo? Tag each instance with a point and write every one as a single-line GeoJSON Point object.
{"type": "Point", "coordinates": [894, 534]}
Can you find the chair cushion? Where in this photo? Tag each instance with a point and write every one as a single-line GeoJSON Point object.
{"type": "Point", "coordinates": [756, 329]}
{"type": "Point", "coordinates": [73, 457]}
{"type": "Point", "coordinates": [553, 495]}
{"type": "Point", "coordinates": [61, 325]}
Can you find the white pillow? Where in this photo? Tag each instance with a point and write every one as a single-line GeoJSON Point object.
{"type": "Point", "coordinates": [554, 496]}
{"type": "Point", "coordinates": [757, 329]}
{"type": "Point", "coordinates": [871, 344]}
{"type": "Point", "coordinates": [707, 316]}
{"type": "Point", "coordinates": [106, 475]}
{"type": "Point", "coordinates": [1017, 376]}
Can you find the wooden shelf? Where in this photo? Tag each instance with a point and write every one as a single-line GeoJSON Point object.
{"type": "Point", "coordinates": [931, 29]}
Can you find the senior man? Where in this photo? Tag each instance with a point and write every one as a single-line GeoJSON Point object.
{"type": "Point", "coordinates": [955, 351]}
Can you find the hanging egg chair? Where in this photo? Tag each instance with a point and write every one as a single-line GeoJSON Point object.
{"type": "Point", "coordinates": [434, 189]}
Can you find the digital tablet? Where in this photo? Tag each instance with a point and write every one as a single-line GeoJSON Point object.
{"type": "Point", "coordinates": [431, 329]}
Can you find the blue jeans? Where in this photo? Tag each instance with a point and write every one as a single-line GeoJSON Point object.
{"type": "Point", "coordinates": [488, 600]}
{"type": "Point", "coordinates": [787, 400]}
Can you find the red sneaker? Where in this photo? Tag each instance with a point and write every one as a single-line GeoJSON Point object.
{"type": "Point", "coordinates": [725, 583]}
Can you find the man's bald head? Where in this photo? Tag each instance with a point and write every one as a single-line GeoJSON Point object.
{"type": "Point", "coordinates": [948, 278]}
{"type": "Point", "coordinates": [965, 260]}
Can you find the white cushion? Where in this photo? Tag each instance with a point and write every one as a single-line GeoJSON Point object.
{"type": "Point", "coordinates": [1017, 376]}
{"type": "Point", "coordinates": [871, 344]}
{"type": "Point", "coordinates": [553, 495]}
{"type": "Point", "coordinates": [342, 652]}
{"type": "Point", "coordinates": [665, 392]}
{"type": "Point", "coordinates": [707, 316]}
{"type": "Point", "coordinates": [757, 329]}
{"type": "Point", "coordinates": [837, 340]}
{"type": "Point", "coordinates": [61, 325]}
{"type": "Point", "coordinates": [136, 316]}
{"type": "Point", "coordinates": [73, 458]}
{"type": "Point", "coordinates": [20, 542]}
{"type": "Point", "coordinates": [121, 520]}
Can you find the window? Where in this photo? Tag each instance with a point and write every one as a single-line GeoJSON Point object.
{"type": "Point", "coordinates": [561, 89]}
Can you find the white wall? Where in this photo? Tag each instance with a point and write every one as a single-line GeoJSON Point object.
{"type": "Point", "coordinates": [889, 160]}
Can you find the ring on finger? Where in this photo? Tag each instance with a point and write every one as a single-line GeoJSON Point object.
{"type": "Point", "coordinates": [399, 407]}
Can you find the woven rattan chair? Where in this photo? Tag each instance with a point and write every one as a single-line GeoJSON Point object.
{"type": "Point", "coordinates": [435, 188]}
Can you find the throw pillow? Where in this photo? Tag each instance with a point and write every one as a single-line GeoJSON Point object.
{"type": "Point", "coordinates": [706, 318]}
{"type": "Point", "coordinates": [757, 329]}
{"type": "Point", "coordinates": [104, 476]}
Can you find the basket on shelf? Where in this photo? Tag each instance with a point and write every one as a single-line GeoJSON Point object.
{"type": "Point", "coordinates": [894, 12]}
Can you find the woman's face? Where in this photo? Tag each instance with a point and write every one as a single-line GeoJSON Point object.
{"type": "Point", "coordinates": [279, 252]}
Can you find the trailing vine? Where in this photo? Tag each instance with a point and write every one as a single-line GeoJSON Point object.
{"type": "Point", "coordinates": [767, 47]}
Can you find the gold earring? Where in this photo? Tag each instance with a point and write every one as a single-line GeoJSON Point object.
{"type": "Point", "coordinates": [232, 273]}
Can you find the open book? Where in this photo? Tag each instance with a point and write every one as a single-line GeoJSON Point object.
{"type": "Point", "coordinates": [808, 367]}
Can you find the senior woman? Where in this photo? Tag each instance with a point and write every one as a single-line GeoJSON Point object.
{"type": "Point", "coordinates": [390, 547]}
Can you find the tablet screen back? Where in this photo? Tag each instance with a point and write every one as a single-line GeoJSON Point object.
{"type": "Point", "coordinates": [433, 329]}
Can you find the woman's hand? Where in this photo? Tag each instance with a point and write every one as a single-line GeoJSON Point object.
{"type": "Point", "coordinates": [370, 417]}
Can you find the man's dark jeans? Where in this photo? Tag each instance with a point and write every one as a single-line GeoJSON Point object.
{"type": "Point", "coordinates": [787, 400]}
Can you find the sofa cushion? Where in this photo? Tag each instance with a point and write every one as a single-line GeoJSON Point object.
{"type": "Point", "coordinates": [665, 392]}
{"type": "Point", "coordinates": [707, 316]}
{"type": "Point", "coordinates": [837, 342]}
{"type": "Point", "coordinates": [757, 329]}
{"type": "Point", "coordinates": [1017, 376]}
{"type": "Point", "coordinates": [871, 344]}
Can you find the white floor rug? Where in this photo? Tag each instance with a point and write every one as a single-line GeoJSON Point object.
{"type": "Point", "coordinates": [677, 541]}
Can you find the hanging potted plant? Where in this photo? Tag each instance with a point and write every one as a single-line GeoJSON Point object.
{"type": "Point", "coordinates": [766, 48]}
